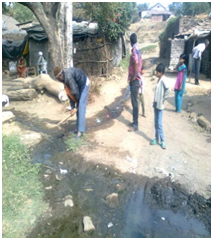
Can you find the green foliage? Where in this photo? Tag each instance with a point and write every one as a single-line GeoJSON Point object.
{"type": "Point", "coordinates": [73, 144]}
{"type": "Point", "coordinates": [21, 188]}
{"type": "Point", "coordinates": [5, 8]}
{"type": "Point", "coordinates": [113, 18]}
{"type": "Point", "coordinates": [143, 7]}
{"type": "Point", "coordinates": [163, 37]}
{"type": "Point", "coordinates": [20, 12]}
{"type": "Point", "coordinates": [190, 8]}
{"type": "Point", "coordinates": [195, 8]}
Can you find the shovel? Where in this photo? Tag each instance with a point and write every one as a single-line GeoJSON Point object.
{"type": "Point", "coordinates": [73, 111]}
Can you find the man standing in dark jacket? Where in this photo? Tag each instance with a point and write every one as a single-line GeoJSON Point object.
{"type": "Point", "coordinates": [77, 87]}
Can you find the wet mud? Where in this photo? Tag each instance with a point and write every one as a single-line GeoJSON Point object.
{"type": "Point", "coordinates": [147, 207]}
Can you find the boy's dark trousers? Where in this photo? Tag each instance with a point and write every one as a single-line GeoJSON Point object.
{"type": "Point", "coordinates": [134, 99]}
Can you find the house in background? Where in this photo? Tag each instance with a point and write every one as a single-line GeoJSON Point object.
{"type": "Point", "coordinates": [156, 13]}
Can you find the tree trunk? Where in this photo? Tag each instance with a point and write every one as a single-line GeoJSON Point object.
{"type": "Point", "coordinates": [56, 20]}
{"type": "Point", "coordinates": [45, 82]}
{"type": "Point", "coordinates": [22, 94]}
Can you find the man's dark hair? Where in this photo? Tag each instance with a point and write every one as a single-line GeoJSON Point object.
{"type": "Point", "coordinates": [183, 56]}
{"type": "Point", "coordinates": [160, 68]}
{"type": "Point", "coordinates": [206, 42]}
{"type": "Point", "coordinates": [133, 38]}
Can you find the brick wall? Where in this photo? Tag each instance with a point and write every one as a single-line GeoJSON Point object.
{"type": "Point", "coordinates": [177, 48]}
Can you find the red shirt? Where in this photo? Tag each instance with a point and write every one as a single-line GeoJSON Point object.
{"type": "Point", "coordinates": [135, 58]}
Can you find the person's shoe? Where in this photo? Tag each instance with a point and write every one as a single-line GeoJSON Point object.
{"type": "Point", "coordinates": [143, 116]}
{"type": "Point", "coordinates": [79, 136]}
{"type": "Point", "coordinates": [163, 145]}
{"type": "Point", "coordinates": [154, 142]}
{"type": "Point", "coordinates": [132, 129]}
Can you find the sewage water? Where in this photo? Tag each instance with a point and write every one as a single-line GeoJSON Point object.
{"type": "Point", "coordinates": [147, 207]}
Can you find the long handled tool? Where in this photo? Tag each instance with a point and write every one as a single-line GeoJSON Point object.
{"type": "Point", "coordinates": [73, 111]}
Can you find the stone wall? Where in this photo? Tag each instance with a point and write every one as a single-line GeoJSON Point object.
{"type": "Point", "coordinates": [177, 48]}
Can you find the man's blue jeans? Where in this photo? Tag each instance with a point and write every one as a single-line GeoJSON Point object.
{"type": "Point", "coordinates": [158, 123]}
{"type": "Point", "coordinates": [81, 118]}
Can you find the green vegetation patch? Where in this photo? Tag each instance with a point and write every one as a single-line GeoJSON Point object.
{"type": "Point", "coordinates": [21, 189]}
{"type": "Point", "coordinates": [73, 144]}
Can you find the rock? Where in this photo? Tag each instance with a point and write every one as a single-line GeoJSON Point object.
{"type": "Point", "coordinates": [120, 187]}
{"type": "Point", "coordinates": [68, 201]}
{"type": "Point", "coordinates": [88, 225]}
{"type": "Point", "coordinates": [30, 138]}
{"type": "Point", "coordinates": [203, 122]}
{"type": "Point", "coordinates": [7, 116]}
{"type": "Point", "coordinates": [193, 115]}
{"type": "Point", "coordinates": [112, 200]}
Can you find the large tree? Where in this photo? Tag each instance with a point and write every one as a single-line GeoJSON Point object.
{"type": "Point", "coordinates": [56, 20]}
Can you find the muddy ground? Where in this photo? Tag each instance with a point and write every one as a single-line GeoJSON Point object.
{"type": "Point", "coordinates": [162, 193]}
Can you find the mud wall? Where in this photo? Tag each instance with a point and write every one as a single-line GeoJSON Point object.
{"type": "Point", "coordinates": [95, 56]}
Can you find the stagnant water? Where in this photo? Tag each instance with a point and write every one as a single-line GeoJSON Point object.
{"type": "Point", "coordinates": [147, 207]}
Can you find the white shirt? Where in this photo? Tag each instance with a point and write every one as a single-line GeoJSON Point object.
{"type": "Point", "coordinates": [197, 51]}
{"type": "Point", "coordinates": [141, 86]}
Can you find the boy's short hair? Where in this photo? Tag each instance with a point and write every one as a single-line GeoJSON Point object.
{"type": "Point", "coordinates": [183, 56]}
{"type": "Point", "coordinates": [133, 38]}
{"type": "Point", "coordinates": [160, 68]}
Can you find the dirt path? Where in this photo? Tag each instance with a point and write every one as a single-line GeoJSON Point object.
{"type": "Point", "coordinates": [188, 154]}
{"type": "Point", "coordinates": [187, 159]}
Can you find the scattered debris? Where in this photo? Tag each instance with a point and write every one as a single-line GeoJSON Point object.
{"type": "Point", "coordinates": [63, 171]}
{"type": "Point", "coordinates": [68, 201]}
{"type": "Point", "coordinates": [89, 189]}
{"type": "Point", "coordinates": [110, 225]}
{"type": "Point", "coordinates": [98, 120]}
{"type": "Point", "coordinates": [48, 188]}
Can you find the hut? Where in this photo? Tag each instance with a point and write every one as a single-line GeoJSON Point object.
{"type": "Point", "coordinates": [191, 32]}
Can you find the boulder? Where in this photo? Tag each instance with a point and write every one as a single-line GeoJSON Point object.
{"type": "Point", "coordinates": [7, 116]}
